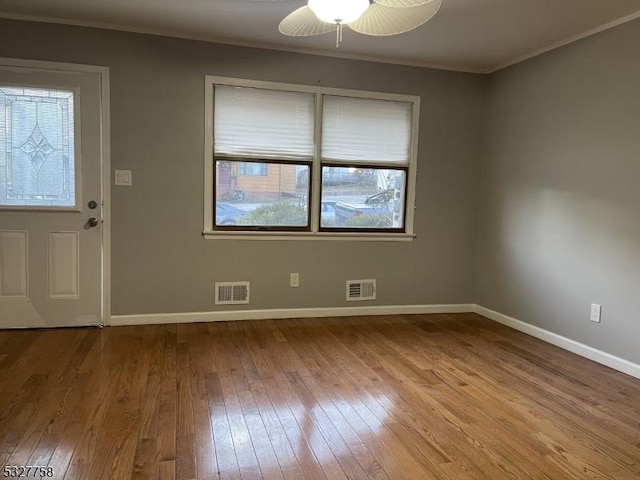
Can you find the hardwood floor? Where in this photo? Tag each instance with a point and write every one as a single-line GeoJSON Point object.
{"type": "Point", "coordinates": [395, 397]}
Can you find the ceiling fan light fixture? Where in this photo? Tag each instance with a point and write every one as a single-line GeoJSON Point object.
{"type": "Point", "coordinates": [338, 11]}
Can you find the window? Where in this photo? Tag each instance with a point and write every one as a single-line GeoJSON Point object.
{"type": "Point", "coordinates": [37, 148]}
{"type": "Point", "coordinates": [365, 152]}
{"type": "Point", "coordinates": [254, 169]}
{"type": "Point", "coordinates": [308, 162]}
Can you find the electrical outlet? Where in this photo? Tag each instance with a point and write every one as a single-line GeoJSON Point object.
{"type": "Point", "coordinates": [596, 311]}
{"type": "Point", "coordinates": [294, 279]}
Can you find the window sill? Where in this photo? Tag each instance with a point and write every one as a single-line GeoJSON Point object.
{"type": "Point", "coordinates": [350, 236]}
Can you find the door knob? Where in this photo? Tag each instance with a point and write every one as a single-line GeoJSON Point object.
{"type": "Point", "coordinates": [93, 222]}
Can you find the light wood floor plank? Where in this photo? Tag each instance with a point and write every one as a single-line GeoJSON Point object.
{"type": "Point", "coordinates": [397, 397]}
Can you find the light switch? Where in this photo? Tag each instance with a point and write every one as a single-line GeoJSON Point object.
{"type": "Point", "coordinates": [123, 178]}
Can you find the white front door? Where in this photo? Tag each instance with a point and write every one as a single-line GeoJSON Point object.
{"type": "Point", "coordinates": [50, 197]}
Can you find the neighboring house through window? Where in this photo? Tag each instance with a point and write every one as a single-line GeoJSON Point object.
{"type": "Point", "coordinates": [254, 169]}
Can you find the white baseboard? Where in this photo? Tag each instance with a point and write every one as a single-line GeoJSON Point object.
{"type": "Point", "coordinates": [221, 316]}
{"type": "Point", "coordinates": [565, 343]}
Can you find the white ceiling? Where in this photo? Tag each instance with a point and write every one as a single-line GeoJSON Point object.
{"type": "Point", "coordinates": [469, 35]}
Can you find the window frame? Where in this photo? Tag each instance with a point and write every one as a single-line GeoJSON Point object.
{"type": "Point", "coordinates": [260, 228]}
{"type": "Point", "coordinates": [314, 230]}
{"type": "Point", "coordinates": [365, 230]}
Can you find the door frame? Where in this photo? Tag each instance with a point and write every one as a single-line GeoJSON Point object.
{"type": "Point", "coordinates": [105, 164]}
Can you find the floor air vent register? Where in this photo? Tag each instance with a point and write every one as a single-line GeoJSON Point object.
{"type": "Point", "coordinates": [361, 290]}
{"type": "Point", "coordinates": [232, 293]}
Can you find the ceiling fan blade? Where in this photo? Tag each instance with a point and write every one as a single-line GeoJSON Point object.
{"type": "Point", "coordinates": [304, 23]}
{"type": "Point", "coordinates": [381, 20]}
{"type": "Point", "coordinates": [401, 3]}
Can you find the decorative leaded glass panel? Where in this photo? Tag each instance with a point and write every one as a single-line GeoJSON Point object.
{"type": "Point", "coordinates": [37, 155]}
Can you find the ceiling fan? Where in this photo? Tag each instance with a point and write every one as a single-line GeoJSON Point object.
{"type": "Point", "coordinates": [368, 17]}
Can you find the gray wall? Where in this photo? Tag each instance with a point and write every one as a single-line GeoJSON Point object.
{"type": "Point", "coordinates": [560, 212]}
{"type": "Point", "coordinates": [160, 262]}
{"type": "Point", "coordinates": [552, 226]}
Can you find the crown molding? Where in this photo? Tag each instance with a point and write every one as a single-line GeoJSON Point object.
{"type": "Point", "coordinates": [240, 43]}
{"type": "Point", "coordinates": [566, 41]}
{"type": "Point", "coordinates": [339, 55]}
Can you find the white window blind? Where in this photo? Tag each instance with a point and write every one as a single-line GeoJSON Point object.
{"type": "Point", "coordinates": [265, 124]}
{"type": "Point", "coordinates": [368, 130]}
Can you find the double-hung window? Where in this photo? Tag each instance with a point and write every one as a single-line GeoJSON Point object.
{"type": "Point", "coordinates": [296, 161]}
